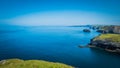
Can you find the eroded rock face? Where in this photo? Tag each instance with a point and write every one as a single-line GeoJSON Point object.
{"type": "Point", "coordinates": [106, 44]}
{"type": "Point", "coordinates": [2, 61]}
{"type": "Point", "coordinates": [101, 31]}
{"type": "Point", "coordinates": [116, 29]}
{"type": "Point", "coordinates": [109, 29]}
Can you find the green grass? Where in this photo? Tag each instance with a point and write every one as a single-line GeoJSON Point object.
{"type": "Point", "coordinates": [17, 63]}
{"type": "Point", "coordinates": [110, 37]}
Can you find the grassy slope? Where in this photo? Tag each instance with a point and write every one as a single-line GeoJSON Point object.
{"type": "Point", "coordinates": [111, 37]}
{"type": "Point", "coordinates": [17, 63]}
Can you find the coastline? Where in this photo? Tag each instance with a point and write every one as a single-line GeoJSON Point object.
{"type": "Point", "coordinates": [106, 43]}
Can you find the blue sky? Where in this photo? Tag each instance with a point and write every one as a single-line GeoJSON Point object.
{"type": "Point", "coordinates": [59, 12]}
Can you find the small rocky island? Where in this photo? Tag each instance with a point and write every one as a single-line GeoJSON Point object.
{"type": "Point", "coordinates": [86, 30]}
{"type": "Point", "coordinates": [108, 42]}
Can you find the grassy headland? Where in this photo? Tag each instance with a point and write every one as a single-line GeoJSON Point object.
{"type": "Point", "coordinates": [17, 63]}
{"type": "Point", "coordinates": [108, 42]}
{"type": "Point", "coordinates": [110, 37]}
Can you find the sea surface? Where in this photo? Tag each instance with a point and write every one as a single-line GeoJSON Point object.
{"type": "Point", "coordinates": [56, 44]}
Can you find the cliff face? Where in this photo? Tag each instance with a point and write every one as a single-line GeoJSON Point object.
{"type": "Point", "coordinates": [109, 42]}
{"type": "Point", "coordinates": [116, 29]}
{"type": "Point", "coordinates": [109, 29]}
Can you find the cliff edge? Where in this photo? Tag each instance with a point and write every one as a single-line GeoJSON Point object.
{"type": "Point", "coordinates": [108, 42]}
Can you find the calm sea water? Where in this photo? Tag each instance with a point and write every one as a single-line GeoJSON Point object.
{"type": "Point", "coordinates": [56, 44]}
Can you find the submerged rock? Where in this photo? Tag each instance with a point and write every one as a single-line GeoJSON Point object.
{"type": "Point", "coordinates": [85, 46]}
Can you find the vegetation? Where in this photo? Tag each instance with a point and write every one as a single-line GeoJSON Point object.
{"type": "Point", "coordinates": [110, 37]}
{"type": "Point", "coordinates": [17, 63]}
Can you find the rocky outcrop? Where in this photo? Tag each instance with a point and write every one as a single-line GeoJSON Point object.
{"type": "Point", "coordinates": [2, 61]}
{"type": "Point", "coordinates": [106, 44]}
{"type": "Point", "coordinates": [101, 31]}
{"type": "Point", "coordinates": [109, 29]}
{"type": "Point", "coordinates": [86, 30]}
{"type": "Point", "coordinates": [116, 29]}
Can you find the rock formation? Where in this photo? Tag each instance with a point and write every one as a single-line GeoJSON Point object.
{"type": "Point", "coordinates": [86, 30]}
{"type": "Point", "coordinates": [108, 42]}
{"type": "Point", "coordinates": [109, 29]}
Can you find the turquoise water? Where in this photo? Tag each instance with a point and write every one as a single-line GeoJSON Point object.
{"type": "Point", "coordinates": [56, 44]}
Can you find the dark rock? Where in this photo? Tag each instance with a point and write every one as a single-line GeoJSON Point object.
{"type": "Point", "coordinates": [101, 31]}
{"type": "Point", "coordinates": [85, 46]}
{"type": "Point", "coordinates": [86, 30]}
{"type": "Point", "coordinates": [107, 45]}
{"type": "Point", "coordinates": [116, 29]}
{"type": "Point", "coordinates": [109, 29]}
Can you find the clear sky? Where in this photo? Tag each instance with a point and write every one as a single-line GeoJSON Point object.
{"type": "Point", "coordinates": [59, 12]}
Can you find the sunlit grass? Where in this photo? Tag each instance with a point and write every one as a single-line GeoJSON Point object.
{"type": "Point", "coordinates": [110, 37]}
{"type": "Point", "coordinates": [17, 63]}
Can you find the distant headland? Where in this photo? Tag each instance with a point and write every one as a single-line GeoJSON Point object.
{"type": "Point", "coordinates": [109, 39]}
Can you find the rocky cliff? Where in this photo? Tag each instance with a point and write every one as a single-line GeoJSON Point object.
{"type": "Point", "coordinates": [108, 42]}
{"type": "Point", "coordinates": [109, 29]}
